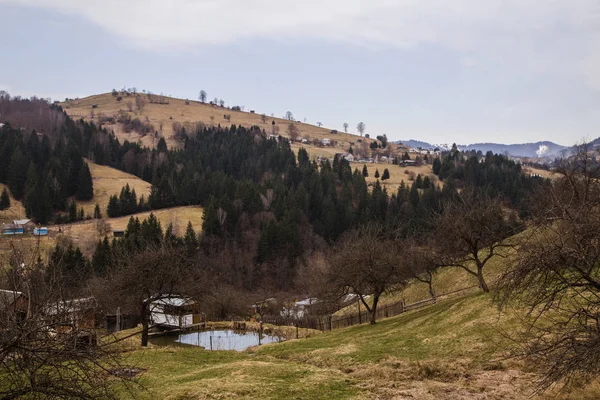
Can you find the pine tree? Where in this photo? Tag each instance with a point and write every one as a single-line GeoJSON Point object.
{"type": "Point", "coordinates": [85, 186]}
{"type": "Point", "coordinates": [426, 182]}
{"type": "Point", "coordinates": [97, 212]}
{"type": "Point", "coordinates": [419, 182]}
{"type": "Point", "coordinates": [365, 171]}
{"type": "Point", "coordinates": [113, 210]}
{"type": "Point", "coordinates": [72, 212]}
{"type": "Point", "coordinates": [17, 174]}
{"type": "Point", "coordinates": [32, 199]}
{"type": "Point", "coordinates": [386, 174]}
{"type": "Point", "coordinates": [377, 174]}
{"type": "Point", "coordinates": [4, 200]}
{"type": "Point", "coordinates": [437, 166]}
{"type": "Point", "coordinates": [190, 240]}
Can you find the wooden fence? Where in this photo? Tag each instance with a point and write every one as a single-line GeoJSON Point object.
{"type": "Point", "coordinates": [329, 322]}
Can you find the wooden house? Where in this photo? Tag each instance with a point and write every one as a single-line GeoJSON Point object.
{"type": "Point", "coordinates": [175, 311]}
{"type": "Point", "coordinates": [12, 301]}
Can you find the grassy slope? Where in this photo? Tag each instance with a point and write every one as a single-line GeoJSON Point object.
{"type": "Point", "coordinates": [15, 211]}
{"type": "Point", "coordinates": [450, 350]}
{"type": "Point", "coordinates": [194, 112]}
{"type": "Point", "coordinates": [108, 181]}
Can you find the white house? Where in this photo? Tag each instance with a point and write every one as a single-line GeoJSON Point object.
{"type": "Point", "coordinates": [325, 142]}
{"type": "Point", "coordinates": [174, 311]}
{"type": "Point", "coordinates": [299, 309]}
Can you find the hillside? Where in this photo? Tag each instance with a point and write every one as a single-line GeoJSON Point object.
{"type": "Point", "coordinates": [162, 117]}
{"type": "Point", "coordinates": [109, 181]}
{"type": "Point", "coordinates": [85, 234]}
{"type": "Point", "coordinates": [453, 350]}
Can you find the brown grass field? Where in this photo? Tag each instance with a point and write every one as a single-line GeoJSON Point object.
{"type": "Point", "coordinates": [109, 181]}
{"type": "Point", "coordinates": [177, 110]}
{"type": "Point", "coordinates": [15, 211]}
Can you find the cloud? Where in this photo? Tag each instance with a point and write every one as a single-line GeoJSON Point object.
{"type": "Point", "coordinates": [516, 31]}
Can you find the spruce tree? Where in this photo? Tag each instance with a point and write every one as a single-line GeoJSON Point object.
{"type": "Point", "coordinates": [85, 186]}
{"type": "Point", "coordinates": [377, 174]}
{"type": "Point", "coordinates": [72, 212]}
{"type": "Point", "coordinates": [386, 174]}
{"type": "Point", "coordinates": [4, 200]}
{"type": "Point", "coordinates": [190, 240]}
{"type": "Point", "coordinates": [17, 175]}
{"type": "Point", "coordinates": [112, 210]}
{"type": "Point", "coordinates": [365, 171]}
{"type": "Point", "coordinates": [437, 166]}
{"type": "Point", "coordinates": [97, 212]}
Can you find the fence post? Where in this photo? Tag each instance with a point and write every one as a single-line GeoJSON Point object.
{"type": "Point", "coordinates": [296, 329]}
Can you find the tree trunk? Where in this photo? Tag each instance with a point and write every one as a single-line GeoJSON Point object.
{"type": "Point", "coordinates": [374, 309]}
{"type": "Point", "coordinates": [432, 291]}
{"type": "Point", "coordinates": [482, 283]}
{"type": "Point", "coordinates": [145, 325]}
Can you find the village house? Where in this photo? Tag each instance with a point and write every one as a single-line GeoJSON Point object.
{"type": "Point", "coordinates": [26, 224]}
{"type": "Point", "coordinates": [175, 311]}
{"type": "Point", "coordinates": [325, 141]}
{"type": "Point", "coordinates": [74, 314]}
{"type": "Point", "coordinates": [346, 156]}
{"type": "Point", "coordinates": [299, 309]}
{"type": "Point", "coordinates": [15, 302]}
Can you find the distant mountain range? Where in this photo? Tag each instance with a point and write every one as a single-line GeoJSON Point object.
{"type": "Point", "coordinates": [538, 149]}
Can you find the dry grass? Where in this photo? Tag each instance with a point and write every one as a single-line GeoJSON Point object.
{"type": "Point", "coordinates": [109, 181]}
{"type": "Point", "coordinates": [194, 112]}
{"type": "Point", "coordinates": [15, 211]}
{"type": "Point", "coordinates": [87, 233]}
{"type": "Point", "coordinates": [397, 175]}
{"type": "Point", "coordinates": [541, 172]}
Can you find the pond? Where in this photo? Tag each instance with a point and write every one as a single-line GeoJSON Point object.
{"type": "Point", "coordinates": [225, 339]}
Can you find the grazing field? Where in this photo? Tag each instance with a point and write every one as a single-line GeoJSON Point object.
{"type": "Point", "coordinates": [15, 211]}
{"type": "Point", "coordinates": [85, 234]}
{"type": "Point", "coordinates": [541, 172]}
{"type": "Point", "coordinates": [398, 174]}
{"type": "Point", "coordinates": [453, 350]}
{"type": "Point", "coordinates": [109, 181]}
{"type": "Point", "coordinates": [163, 115]}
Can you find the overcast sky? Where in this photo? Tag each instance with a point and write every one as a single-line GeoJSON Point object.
{"type": "Point", "coordinates": [442, 71]}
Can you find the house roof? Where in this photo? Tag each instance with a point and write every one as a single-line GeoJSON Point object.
{"type": "Point", "coordinates": [307, 302]}
{"type": "Point", "coordinates": [72, 305]}
{"type": "Point", "coordinates": [175, 301]}
{"type": "Point", "coordinates": [7, 297]}
{"type": "Point", "coordinates": [21, 221]}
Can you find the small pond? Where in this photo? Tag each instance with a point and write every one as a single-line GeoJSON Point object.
{"type": "Point", "coordinates": [225, 339]}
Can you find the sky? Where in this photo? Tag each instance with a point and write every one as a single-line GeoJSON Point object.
{"type": "Point", "coordinates": [464, 71]}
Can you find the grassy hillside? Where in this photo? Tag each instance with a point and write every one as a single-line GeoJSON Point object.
{"type": "Point", "coordinates": [86, 234]}
{"type": "Point", "coordinates": [15, 211]}
{"type": "Point", "coordinates": [108, 181]}
{"type": "Point", "coordinates": [453, 350]}
{"type": "Point", "coordinates": [177, 111]}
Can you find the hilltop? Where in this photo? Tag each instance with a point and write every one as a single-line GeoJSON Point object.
{"type": "Point", "coordinates": [165, 113]}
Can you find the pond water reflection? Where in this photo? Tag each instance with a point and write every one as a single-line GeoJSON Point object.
{"type": "Point", "coordinates": [225, 339]}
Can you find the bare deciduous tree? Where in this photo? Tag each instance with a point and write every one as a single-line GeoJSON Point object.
{"type": "Point", "coordinates": [48, 345]}
{"type": "Point", "coordinates": [202, 96]}
{"type": "Point", "coordinates": [363, 263]}
{"type": "Point", "coordinates": [293, 131]}
{"type": "Point", "coordinates": [263, 118]}
{"type": "Point", "coordinates": [471, 231]}
{"type": "Point", "coordinates": [289, 116]}
{"type": "Point", "coordinates": [319, 124]}
{"type": "Point", "coordinates": [361, 127]}
{"type": "Point", "coordinates": [556, 275]}
{"type": "Point", "coordinates": [140, 103]}
{"type": "Point", "coordinates": [346, 127]}
{"type": "Point", "coordinates": [143, 279]}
